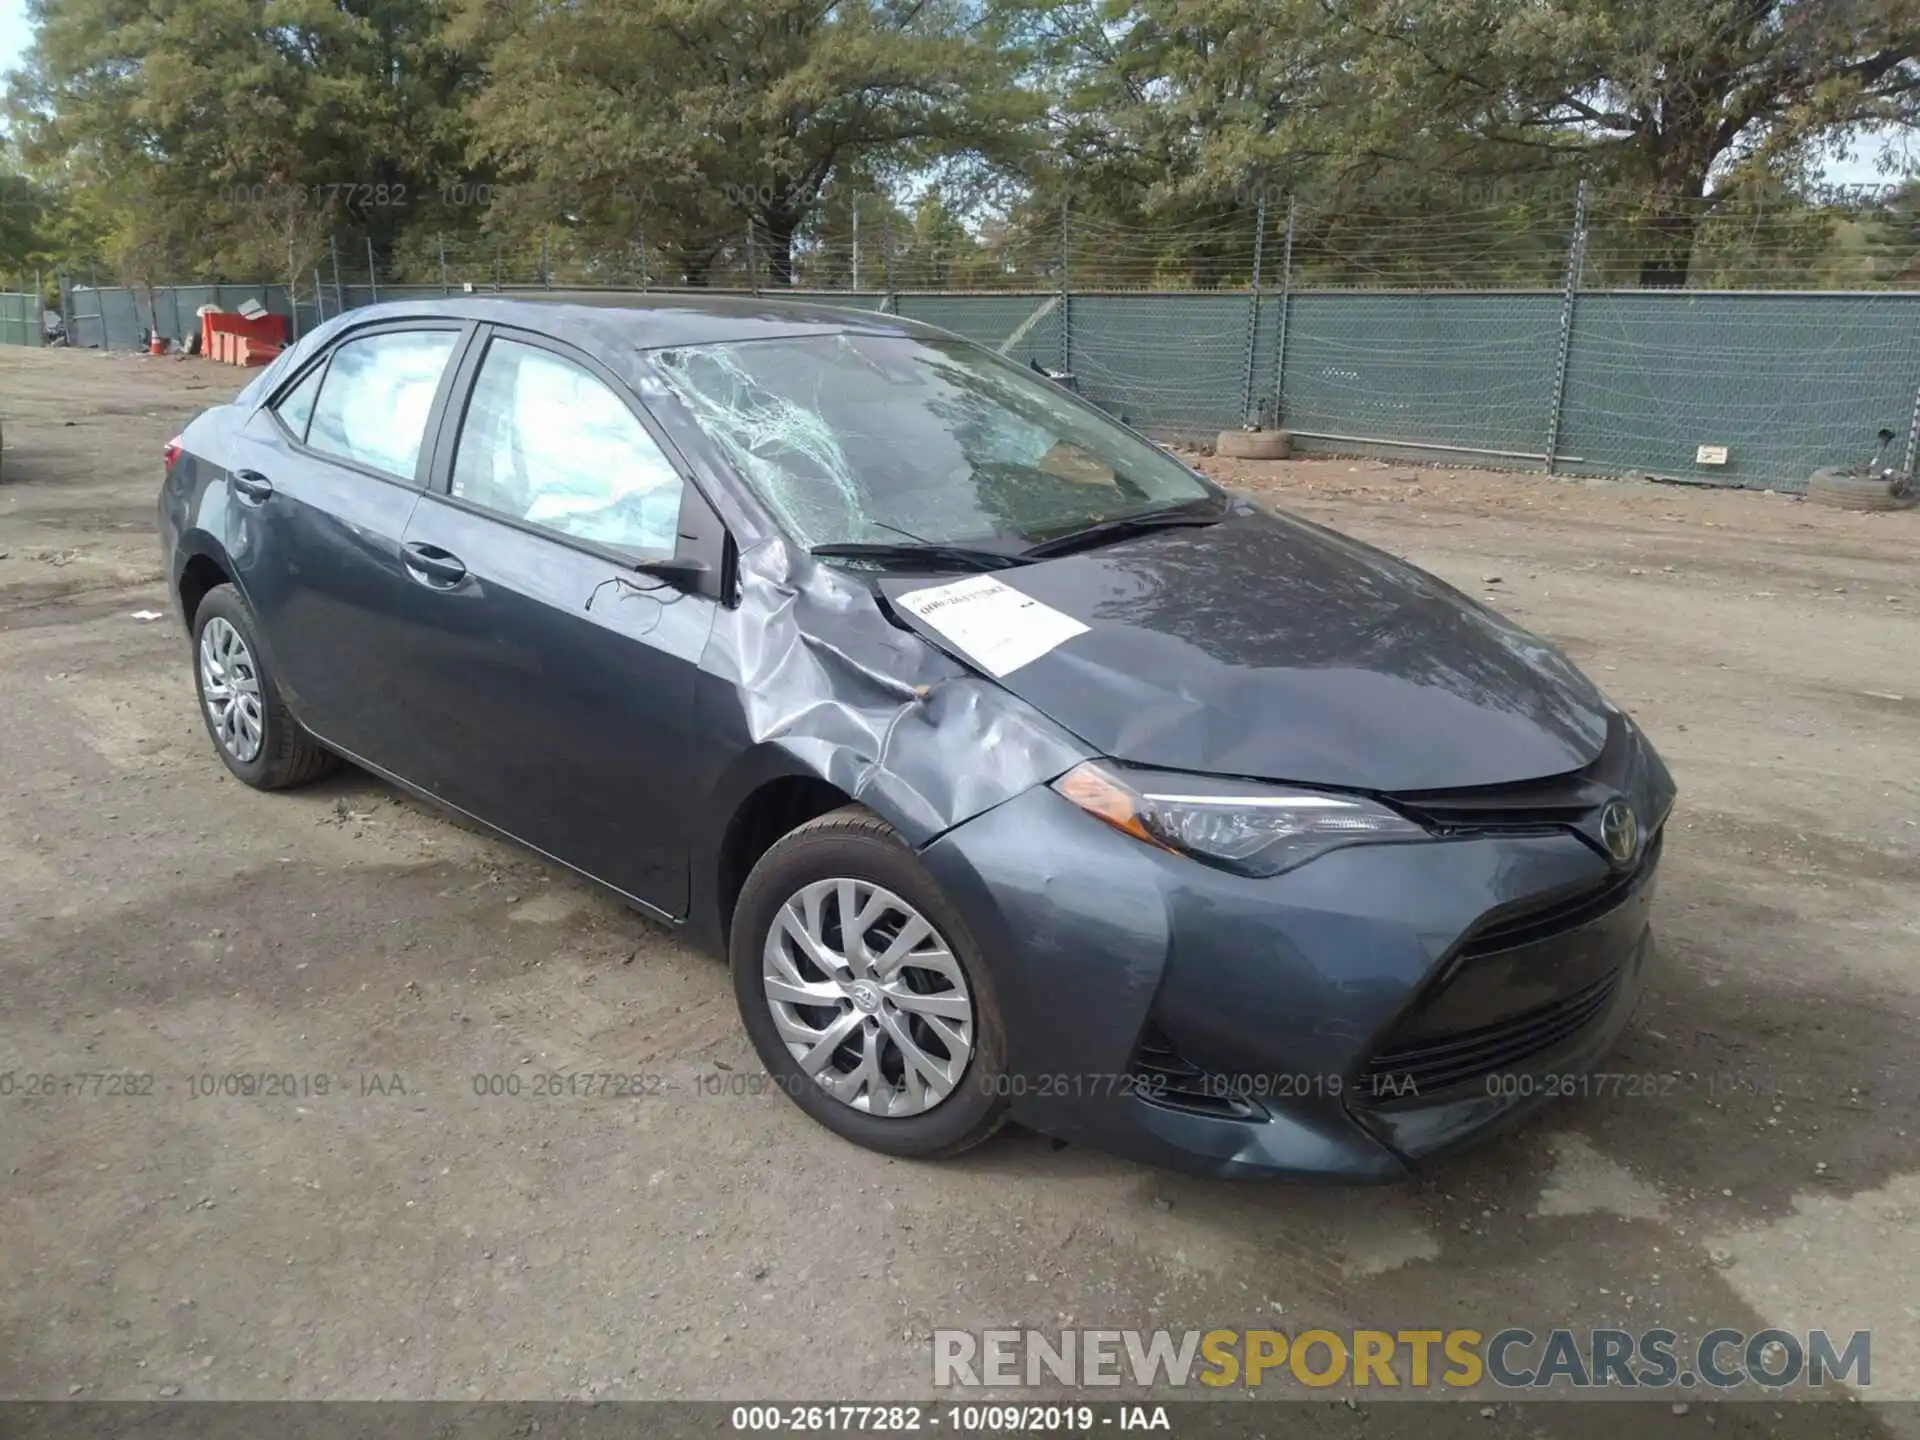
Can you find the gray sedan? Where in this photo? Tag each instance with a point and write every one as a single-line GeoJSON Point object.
{"type": "Point", "coordinates": [1017, 769]}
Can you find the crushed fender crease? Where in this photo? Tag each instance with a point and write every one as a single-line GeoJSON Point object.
{"type": "Point", "coordinates": [875, 710]}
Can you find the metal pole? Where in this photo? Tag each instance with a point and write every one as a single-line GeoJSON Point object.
{"type": "Point", "coordinates": [1286, 305]}
{"type": "Point", "coordinates": [319, 298]}
{"type": "Point", "coordinates": [1913, 436]}
{"type": "Point", "coordinates": [753, 260]}
{"type": "Point", "coordinates": [496, 264]}
{"type": "Point", "coordinates": [546, 275]}
{"type": "Point", "coordinates": [100, 303]}
{"type": "Point", "coordinates": [1576, 253]}
{"type": "Point", "coordinates": [440, 247]}
{"type": "Point", "coordinates": [373, 278]}
{"type": "Point", "coordinates": [1253, 312]}
{"type": "Point", "coordinates": [1066, 300]}
{"type": "Point", "coordinates": [643, 259]}
{"type": "Point", "coordinates": [339, 290]}
{"type": "Point", "coordinates": [887, 305]}
{"type": "Point", "coordinates": [856, 241]}
{"type": "Point", "coordinates": [40, 306]}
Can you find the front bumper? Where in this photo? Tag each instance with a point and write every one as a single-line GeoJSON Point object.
{"type": "Point", "coordinates": [1343, 1020]}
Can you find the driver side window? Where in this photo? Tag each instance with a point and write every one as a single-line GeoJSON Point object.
{"type": "Point", "coordinates": [545, 441]}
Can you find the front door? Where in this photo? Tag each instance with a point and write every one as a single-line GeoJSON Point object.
{"type": "Point", "coordinates": [555, 699]}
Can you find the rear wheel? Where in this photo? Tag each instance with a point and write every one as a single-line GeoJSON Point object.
{"type": "Point", "coordinates": [261, 743]}
{"type": "Point", "coordinates": [863, 992]}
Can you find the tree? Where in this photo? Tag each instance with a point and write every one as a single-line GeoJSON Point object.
{"type": "Point", "coordinates": [1658, 102]}
{"type": "Point", "coordinates": [729, 113]}
{"type": "Point", "coordinates": [228, 106]}
{"type": "Point", "coordinates": [26, 238]}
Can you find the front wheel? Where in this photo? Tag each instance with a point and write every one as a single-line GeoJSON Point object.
{"type": "Point", "coordinates": [863, 992]}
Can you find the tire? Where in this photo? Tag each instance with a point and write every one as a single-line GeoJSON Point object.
{"type": "Point", "coordinates": [854, 844]}
{"type": "Point", "coordinates": [1843, 491]}
{"type": "Point", "coordinates": [285, 754]}
{"type": "Point", "coordinates": [1254, 444]}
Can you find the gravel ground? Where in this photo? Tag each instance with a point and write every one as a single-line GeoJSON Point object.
{"type": "Point", "coordinates": [403, 1236]}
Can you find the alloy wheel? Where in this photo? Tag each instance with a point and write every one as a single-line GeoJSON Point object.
{"type": "Point", "coordinates": [230, 689]}
{"type": "Point", "coordinates": [868, 997]}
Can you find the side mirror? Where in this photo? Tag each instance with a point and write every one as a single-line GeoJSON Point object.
{"type": "Point", "coordinates": [683, 571]}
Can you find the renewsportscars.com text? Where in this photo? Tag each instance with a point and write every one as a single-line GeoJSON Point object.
{"type": "Point", "coordinates": [1512, 1358]}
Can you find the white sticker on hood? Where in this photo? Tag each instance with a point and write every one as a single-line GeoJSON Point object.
{"type": "Point", "coordinates": [998, 627]}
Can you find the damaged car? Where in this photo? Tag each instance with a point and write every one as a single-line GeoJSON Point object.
{"type": "Point", "coordinates": [1019, 771]}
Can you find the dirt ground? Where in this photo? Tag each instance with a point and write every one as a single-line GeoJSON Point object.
{"type": "Point", "coordinates": [403, 1236]}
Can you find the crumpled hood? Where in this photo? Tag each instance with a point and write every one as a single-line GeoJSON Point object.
{"type": "Point", "coordinates": [1268, 647]}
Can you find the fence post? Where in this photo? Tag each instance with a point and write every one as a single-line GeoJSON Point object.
{"type": "Point", "coordinates": [1253, 312]}
{"type": "Point", "coordinates": [546, 275]}
{"type": "Point", "coordinates": [856, 241]}
{"type": "Point", "coordinates": [753, 259]}
{"type": "Point", "coordinates": [1913, 436]}
{"type": "Point", "coordinates": [1575, 254]}
{"type": "Point", "coordinates": [65, 282]}
{"type": "Point", "coordinates": [339, 291]}
{"type": "Point", "coordinates": [887, 304]}
{"type": "Point", "coordinates": [1286, 306]}
{"type": "Point", "coordinates": [496, 264]}
{"type": "Point", "coordinates": [1066, 298]}
{"type": "Point", "coordinates": [440, 248]}
{"type": "Point", "coordinates": [99, 303]}
{"type": "Point", "coordinates": [319, 301]}
{"type": "Point", "coordinates": [643, 259]}
{"type": "Point", "coordinates": [373, 279]}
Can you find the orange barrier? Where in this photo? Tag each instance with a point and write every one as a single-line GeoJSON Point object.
{"type": "Point", "coordinates": [233, 339]}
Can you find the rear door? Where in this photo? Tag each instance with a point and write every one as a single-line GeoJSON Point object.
{"type": "Point", "coordinates": [556, 697]}
{"type": "Point", "coordinates": [321, 483]}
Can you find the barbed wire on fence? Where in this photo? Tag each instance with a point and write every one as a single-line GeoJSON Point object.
{"type": "Point", "coordinates": [1487, 235]}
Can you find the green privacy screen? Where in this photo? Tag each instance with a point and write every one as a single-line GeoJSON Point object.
{"type": "Point", "coordinates": [1472, 369]}
{"type": "Point", "coordinates": [1786, 382]}
{"type": "Point", "coordinates": [20, 319]}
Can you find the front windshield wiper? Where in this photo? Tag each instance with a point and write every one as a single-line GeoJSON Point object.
{"type": "Point", "coordinates": [1205, 511]}
{"type": "Point", "coordinates": [928, 553]}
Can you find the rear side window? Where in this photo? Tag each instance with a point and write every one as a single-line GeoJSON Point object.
{"type": "Point", "coordinates": [376, 397]}
{"type": "Point", "coordinates": [296, 408]}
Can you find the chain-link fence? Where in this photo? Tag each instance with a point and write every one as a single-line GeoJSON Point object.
{"type": "Point", "coordinates": [1550, 334]}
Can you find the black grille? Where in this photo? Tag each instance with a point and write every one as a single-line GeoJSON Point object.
{"type": "Point", "coordinates": [1536, 921]}
{"type": "Point", "coordinates": [1165, 1077]}
{"type": "Point", "coordinates": [1440, 1061]}
{"type": "Point", "coordinates": [1530, 805]}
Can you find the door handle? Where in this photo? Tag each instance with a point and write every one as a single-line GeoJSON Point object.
{"type": "Point", "coordinates": [434, 565]}
{"type": "Point", "coordinates": [253, 486]}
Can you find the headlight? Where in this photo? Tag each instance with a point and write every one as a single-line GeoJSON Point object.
{"type": "Point", "coordinates": [1252, 829]}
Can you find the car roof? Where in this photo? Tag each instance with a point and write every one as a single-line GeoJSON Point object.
{"type": "Point", "coordinates": [647, 322]}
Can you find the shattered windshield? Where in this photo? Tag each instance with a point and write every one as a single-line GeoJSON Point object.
{"type": "Point", "coordinates": [865, 438]}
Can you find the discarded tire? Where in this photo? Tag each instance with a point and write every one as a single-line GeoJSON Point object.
{"type": "Point", "coordinates": [1254, 444]}
{"type": "Point", "coordinates": [1845, 491]}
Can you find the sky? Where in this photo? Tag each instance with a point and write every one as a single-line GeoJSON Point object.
{"type": "Point", "coordinates": [16, 34]}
